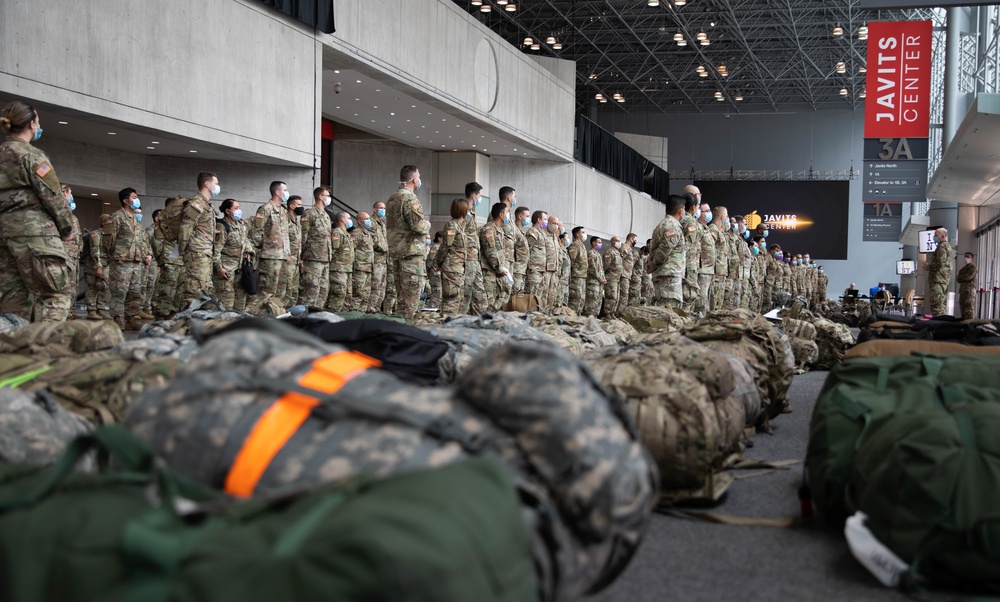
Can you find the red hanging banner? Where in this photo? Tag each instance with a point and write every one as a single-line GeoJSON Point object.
{"type": "Point", "coordinates": [898, 99]}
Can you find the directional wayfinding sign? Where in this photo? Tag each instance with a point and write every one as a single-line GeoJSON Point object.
{"type": "Point", "coordinates": [895, 170]}
{"type": "Point", "coordinates": [883, 222]}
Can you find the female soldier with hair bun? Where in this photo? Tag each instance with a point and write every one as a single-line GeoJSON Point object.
{"type": "Point", "coordinates": [34, 217]}
{"type": "Point", "coordinates": [231, 246]}
{"type": "Point", "coordinates": [451, 259]}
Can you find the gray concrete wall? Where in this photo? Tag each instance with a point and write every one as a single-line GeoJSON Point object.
{"type": "Point", "coordinates": [95, 166]}
{"type": "Point", "coordinates": [825, 140]}
{"type": "Point", "coordinates": [433, 47]}
{"type": "Point", "coordinates": [366, 172]}
{"type": "Point", "coordinates": [234, 73]}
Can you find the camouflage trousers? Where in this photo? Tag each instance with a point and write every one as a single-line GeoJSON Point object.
{"type": "Point", "coordinates": [378, 286]}
{"type": "Point", "coordinates": [230, 291]}
{"type": "Point", "coordinates": [635, 290]}
{"type": "Point", "coordinates": [452, 289]}
{"type": "Point", "coordinates": [314, 283]}
{"type": "Point", "coordinates": [361, 290]}
{"type": "Point", "coordinates": [434, 278]}
{"type": "Point", "coordinates": [967, 300]}
{"type": "Point", "coordinates": [518, 282]}
{"type": "Point", "coordinates": [551, 289]}
{"type": "Point", "coordinates": [577, 294]}
{"type": "Point", "coordinates": [269, 274]}
{"type": "Point", "coordinates": [196, 276]}
{"type": "Point", "coordinates": [150, 274]}
{"type": "Point", "coordinates": [474, 301]}
{"type": "Point", "coordinates": [288, 283]}
{"type": "Point", "coordinates": [33, 275]}
{"type": "Point", "coordinates": [690, 292]}
{"type": "Point", "coordinates": [648, 292]}
{"type": "Point", "coordinates": [125, 280]}
{"type": "Point", "coordinates": [717, 297]}
{"type": "Point", "coordinates": [595, 295]}
{"type": "Point", "coordinates": [702, 305]}
{"type": "Point", "coordinates": [72, 282]}
{"type": "Point", "coordinates": [564, 291]}
{"type": "Point", "coordinates": [937, 297]}
{"type": "Point", "coordinates": [407, 272]}
{"type": "Point", "coordinates": [534, 280]}
{"type": "Point", "coordinates": [497, 290]}
{"type": "Point", "coordinates": [624, 292]}
{"type": "Point", "coordinates": [166, 290]}
{"type": "Point", "coordinates": [340, 292]}
{"type": "Point", "coordinates": [765, 298]}
{"type": "Point", "coordinates": [668, 291]}
{"type": "Point", "coordinates": [611, 291]}
{"type": "Point", "coordinates": [735, 293]}
{"type": "Point", "coordinates": [391, 297]}
{"type": "Point", "coordinates": [97, 288]}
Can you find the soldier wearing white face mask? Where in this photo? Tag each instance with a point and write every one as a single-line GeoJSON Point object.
{"type": "Point", "coordinates": [314, 270]}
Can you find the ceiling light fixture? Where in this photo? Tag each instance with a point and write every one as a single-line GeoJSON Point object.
{"type": "Point", "coordinates": [739, 97]}
{"type": "Point", "coordinates": [701, 36]}
{"type": "Point", "coordinates": [477, 2]}
{"type": "Point", "coordinates": [486, 8]}
{"type": "Point", "coordinates": [704, 42]}
{"type": "Point", "coordinates": [680, 2]}
{"type": "Point", "coordinates": [843, 91]}
{"type": "Point", "coordinates": [528, 41]}
{"type": "Point", "coordinates": [502, 2]}
{"type": "Point", "coordinates": [863, 94]}
{"type": "Point", "coordinates": [653, 3]}
{"type": "Point", "coordinates": [841, 67]}
{"type": "Point", "coordinates": [838, 31]}
{"type": "Point", "coordinates": [550, 40]}
{"type": "Point", "coordinates": [679, 38]}
{"type": "Point", "coordinates": [863, 32]}
{"type": "Point", "coordinates": [718, 94]}
{"type": "Point", "coordinates": [535, 46]}
{"type": "Point", "coordinates": [63, 123]}
{"type": "Point", "coordinates": [557, 46]}
{"type": "Point", "coordinates": [862, 69]}
{"type": "Point", "coordinates": [621, 99]}
{"type": "Point", "coordinates": [510, 8]}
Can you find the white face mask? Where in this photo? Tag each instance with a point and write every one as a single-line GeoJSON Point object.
{"type": "Point", "coordinates": [968, 260]}
{"type": "Point", "coordinates": [618, 244]}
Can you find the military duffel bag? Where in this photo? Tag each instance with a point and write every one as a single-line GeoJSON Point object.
{"type": "Point", "coordinates": [262, 406]}
{"type": "Point", "coordinates": [142, 533]}
{"type": "Point", "coordinates": [78, 336]}
{"type": "Point", "coordinates": [34, 429]}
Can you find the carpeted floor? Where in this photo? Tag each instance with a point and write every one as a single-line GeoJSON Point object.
{"type": "Point", "coordinates": [696, 561]}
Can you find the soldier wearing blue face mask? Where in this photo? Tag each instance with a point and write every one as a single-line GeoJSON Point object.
{"type": "Point", "coordinates": [475, 299]}
{"type": "Point", "coordinates": [380, 301]}
{"type": "Point", "coordinates": [720, 281]}
{"type": "Point", "coordinates": [127, 257]}
{"type": "Point", "coordinates": [73, 245]}
{"type": "Point", "coordinates": [520, 264]}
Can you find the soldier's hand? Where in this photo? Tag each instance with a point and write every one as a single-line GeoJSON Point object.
{"type": "Point", "coordinates": [604, 281]}
{"type": "Point", "coordinates": [222, 273]}
{"type": "Point", "coordinates": [149, 259]}
{"type": "Point", "coordinates": [100, 272]}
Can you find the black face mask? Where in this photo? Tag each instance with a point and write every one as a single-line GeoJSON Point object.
{"type": "Point", "coordinates": [299, 210]}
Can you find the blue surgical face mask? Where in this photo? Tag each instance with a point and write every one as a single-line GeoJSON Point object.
{"type": "Point", "coordinates": [526, 222]}
{"type": "Point", "coordinates": [468, 214]}
{"type": "Point", "coordinates": [419, 184]}
{"type": "Point", "coordinates": [566, 242]}
{"type": "Point", "coordinates": [478, 200]}
{"type": "Point", "coordinates": [765, 233]}
{"type": "Point", "coordinates": [506, 219]}
{"type": "Point", "coordinates": [238, 215]}
{"type": "Point", "coordinates": [38, 134]}
{"type": "Point", "coordinates": [367, 223]}
{"type": "Point", "coordinates": [513, 202]}
{"type": "Point", "coordinates": [72, 204]}
{"type": "Point", "coordinates": [216, 190]}
{"type": "Point", "coordinates": [136, 203]}
{"type": "Point", "coordinates": [138, 216]}
{"type": "Point", "coordinates": [708, 216]}
{"type": "Point", "coordinates": [725, 224]}
{"type": "Point", "coordinates": [756, 251]}
{"type": "Point", "coordinates": [380, 212]}
{"type": "Point", "coordinates": [284, 197]}
{"type": "Point", "coordinates": [820, 271]}
{"type": "Point", "coordinates": [697, 213]}
{"type": "Point", "coordinates": [746, 234]}
{"type": "Point", "coordinates": [349, 224]}
{"type": "Point", "coordinates": [762, 244]}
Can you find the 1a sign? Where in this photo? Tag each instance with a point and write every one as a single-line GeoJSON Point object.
{"type": "Point", "coordinates": [883, 222]}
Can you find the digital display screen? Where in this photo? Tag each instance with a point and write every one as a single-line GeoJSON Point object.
{"type": "Point", "coordinates": [804, 217]}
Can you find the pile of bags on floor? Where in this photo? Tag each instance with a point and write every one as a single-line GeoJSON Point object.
{"type": "Point", "coordinates": [887, 334]}
{"type": "Point", "coordinates": [817, 342]}
{"type": "Point", "coordinates": [849, 315]}
{"type": "Point", "coordinates": [905, 448]}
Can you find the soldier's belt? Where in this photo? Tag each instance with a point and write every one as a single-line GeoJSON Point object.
{"type": "Point", "coordinates": [282, 420]}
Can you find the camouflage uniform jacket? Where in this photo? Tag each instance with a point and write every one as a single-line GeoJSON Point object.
{"type": "Point", "coordinates": [316, 231]}
{"type": "Point", "coordinates": [613, 265]}
{"type": "Point", "coordinates": [451, 255]}
{"type": "Point", "coordinates": [707, 263]}
{"type": "Point", "coordinates": [107, 242]}
{"type": "Point", "coordinates": [197, 232]}
{"type": "Point", "coordinates": [551, 251]}
{"type": "Point", "coordinates": [629, 256]}
{"type": "Point", "coordinates": [31, 198]}
{"type": "Point", "coordinates": [494, 257]}
{"type": "Point", "coordinates": [536, 249]}
{"type": "Point", "coordinates": [381, 244]}
{"type": "Point", "coordinates": [822, 280]}
{"type": "Point", "coordinates": [595, 265]}
{"type": "Point", "coordinates": [773, 273]}
{"type": "Point", "coordinates": [520, 262]}
{"type": "Point", "coordinates": [96, 258]}
{"type": "Point", "coordinates": [126, 241]}
{"type": "Point", "coordinates": [472, 236]}
{"type": "Point", "coordinates": [230, 245]}
{"type": "Point", "coordinates": [429, 260]}
{"type": "Point", "coordinates": [74, 245]}
{"type": "Point", "coordinates": [269, 234]}
{"type": "Point", "coordinates": [667, 251]}
{"type": "Point", "coordinates": [692, 242]}
{"type": "Point", "coordinates": [565, 268]}
{"type": "Point", "coordinates": [364, 248]}
{"type": "Point", "coordinates": [940, 270]}
{"type": "Point", "coordinates": [343, 250]}
{"type": "Point", "coordinates": [294, 237]}
{"type": "Point", "coordinates": [578, 259]}
{"type": "Point", "coordinates": [735, 259]}
{"type": "Point", "coordinates": [406, 228]}
{"type": "Point", "coordinates": [508, 230]}
{"type": "Point", "coordinates": [746, 259]}
{"type": "Point", "coordinates": [721, 249]}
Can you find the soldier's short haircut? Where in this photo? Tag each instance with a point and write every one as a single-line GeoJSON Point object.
{"type": "Point", "coordinates": [342, 215]}
{"type": "Point", "coordinates": [204, 178]}
{"type": "Point", "coordinates": [738, 219]}
{"type": "Point", "coordinates": [521, 211]}
{"type": "Point", "coordinates": [459, 208]}
{"type": "Point", "coordinates": [719, 210]}
{"type": "Point", "coordinates": [674, 204]}
{"type": "Point", "coordinates": [157, 212]}
{"type": "Point", "coordinates": [632, 235]}
{"type": "Point", "coordinates": [319, 191]}
{"type": "Point", "coordinates": [497, 209]}
{"type": "Point", "coordinates": [294, 197]}
{"type": "Point", "coordinates": [577, 230]}
{"type": "Point", "coordinates": [125, 193]}
{"type": "Point", "coordinates": [505, 193]}
{"type": "Point", "coordinates": [594, 240]}
{"type": "Point", "coordinates": [65, 188]}
{"type": "Point", "coordinates": [536, 217]}
{"type": "Point", "coordinates": [973, 255]}
{"type": "Point", "coordinates": [275, 185]}
{"type": "Point", "coordinates": [473, 188]}
{"type": "Point", "coordinates": [226, 204]}
{"type": "Point", "coordinates": [690, 201]}
{"type": "Point", "coordinates": [406, 174]}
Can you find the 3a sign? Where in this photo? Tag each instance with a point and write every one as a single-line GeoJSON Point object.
{"type": "Point", "coordinates": [897, 101]}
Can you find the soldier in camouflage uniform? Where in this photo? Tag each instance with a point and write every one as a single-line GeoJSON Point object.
{"type": "Point", "coordinates": [966, 280]}
{"type": "Point", "coordinates": [595, 278]}
{"type": "Point", "coordinates": [314, 274]}
{"type": "Point", "coordinates": [733, 241]}
{"type": "Point", "coordinates": [288, 289]}
{"type": "Point", "coordinates": [629, 256]}
{"type": "Point", "coordinates": [269, 236]}
{"type": "Point", "coordinates": [34, 222]}
{"type": "Point", "coordinates": [691, 285]}
{"type": "Point", "coordinates": [231, 247]}
{"type": "Point", "coordinates": [550, 283]}
{"type": "Point", "coordinates": [128, 250]}
{"type": "Point", "coordinates": [565, 269]}
{"type": "Point", "coordinates": [746, 263]}
{"type": "Point", "coordinates": [451, 257]}
{"type": "Point", "coordinates": [495, 263]}
{"type": "Point", "coordinates": [534, 278]}
{"type": "Point", "coordinates": [638, 273]}
{"type": "Point", "coordinates": [196, 240]}
{"type": "Point", "coordinates": [521, 252]}
{"type": "Point", "coordinates": [167, 257]}
{"type": "Point", "coordinates": [717, 231]}
{"type": "Point", "coordinates": [706, 265]}
{"type": "Point", "coordinates": [612, 277]}
{"type": "Point", "coordinates": [341, 264]}
{"type": "Point", "coordinates": [579, 269]}
{"type": "Point", "coordinates": [74, 247]}
{"type": "Point", "coordinates": [381, 263]}
{"type": "Point", "coordinates": [822, 281]}
{"type": "Point", "coordinates": [95, 266]}
{"type": "Point", "coordinates": [406, 231]}
{"type": "Point", "coordinates": [433, 275]}
{"type": "Point", "coordinates": [364, 262]}
{"type": "Point", "coordinates": [939, 274]}
{"type": "Point", "coordinates": [513, 241]}
{"type": "Point", "coordinates": [474, 302]}
{"type": "Point", "coordinates": [667, 260]}
{"type": "Point", "coordinates": [151, 272]}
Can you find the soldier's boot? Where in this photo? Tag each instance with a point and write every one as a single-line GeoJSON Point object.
{"type": "Point", "coordinates": [133, 324]}
{"type": "Point", "coordinates": [145, 315]}
{"type": "Point", "coordinates": [103, 315]}
{"type": "Point", "coordinates": [93, 314]}
{"type": "Point", "coordinates": [120, 321]}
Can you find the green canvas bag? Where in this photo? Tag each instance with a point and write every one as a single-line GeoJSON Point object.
{"type": "Point", "coordinates": [143, 533]}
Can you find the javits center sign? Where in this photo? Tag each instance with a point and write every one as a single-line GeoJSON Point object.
{"type": "Point", "coordinates": [898, 92]}
{"type": "Point", "coordinates": [802, 216]}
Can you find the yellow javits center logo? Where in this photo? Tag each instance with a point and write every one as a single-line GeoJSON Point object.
{"type": "Point", "coordinates": [777, 221]}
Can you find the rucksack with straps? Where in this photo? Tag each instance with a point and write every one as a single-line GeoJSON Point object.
{"type": "Point", "coordinates": [142, 532]}
{"type": "Point", "coordinates": [170, 221]}
{"type": "Point", "coordinates": [910, 443]}
{"type": "Point", "coordinates": [262, 406]}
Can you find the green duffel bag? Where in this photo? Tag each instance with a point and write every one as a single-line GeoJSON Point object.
{"type": "Point", "coordinates": [144, 533]}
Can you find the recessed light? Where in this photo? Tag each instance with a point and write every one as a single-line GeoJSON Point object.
{"type": "Point", "coordinates": [151, 147]}
{"type": "Point", "coordinates": [377, 90]}
{"type": "Point", "coordinates": [413, 106]}
{"type": "Point", "coordinates": [95, 194]}
{"type": "Point", "coordinates": [355, 114]}
{"type": "Point", "coordinates": [374, 106]}
{"type": "Point", "coordinates": [192, 151]}
{"type": "Point", "coordinates": [63, 123]}
{"type": "Point", "coordinates": [418, 137]}
{"type": "Point", "coordinates": [393, 114]}
{"type": "Point", "coordinates": [336, 107]}
{"type": "Point", "coordinates": [423, 126]}
{"type": "Point", "coordinates": [357, 100]}
{"type": "Point", "coordinates": [443, 119]}
{"type": "Point", "coordinates": [154, 142]}
{"type": "Point", "coordinates": [359, 81]}
{"type": "Point", "coordinates": [112, 134]}
{"type": "Point", "coordinates": [373, 121]}
{"type": "Point", "coordinates": [336, 70]}
{"type": "Point", "coordinates": [407, 121]}
{"type": "Point", "coordinates": [442, 146]}
{"type": "Point", "coordinates": [473, 146]}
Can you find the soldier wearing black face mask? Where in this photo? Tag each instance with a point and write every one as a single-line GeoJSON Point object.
{"type": "Point", "coordinates": [288, 285]}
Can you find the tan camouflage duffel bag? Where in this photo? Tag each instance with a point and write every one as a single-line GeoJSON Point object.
{"type": "Point", "coordinates": [262, 406]}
